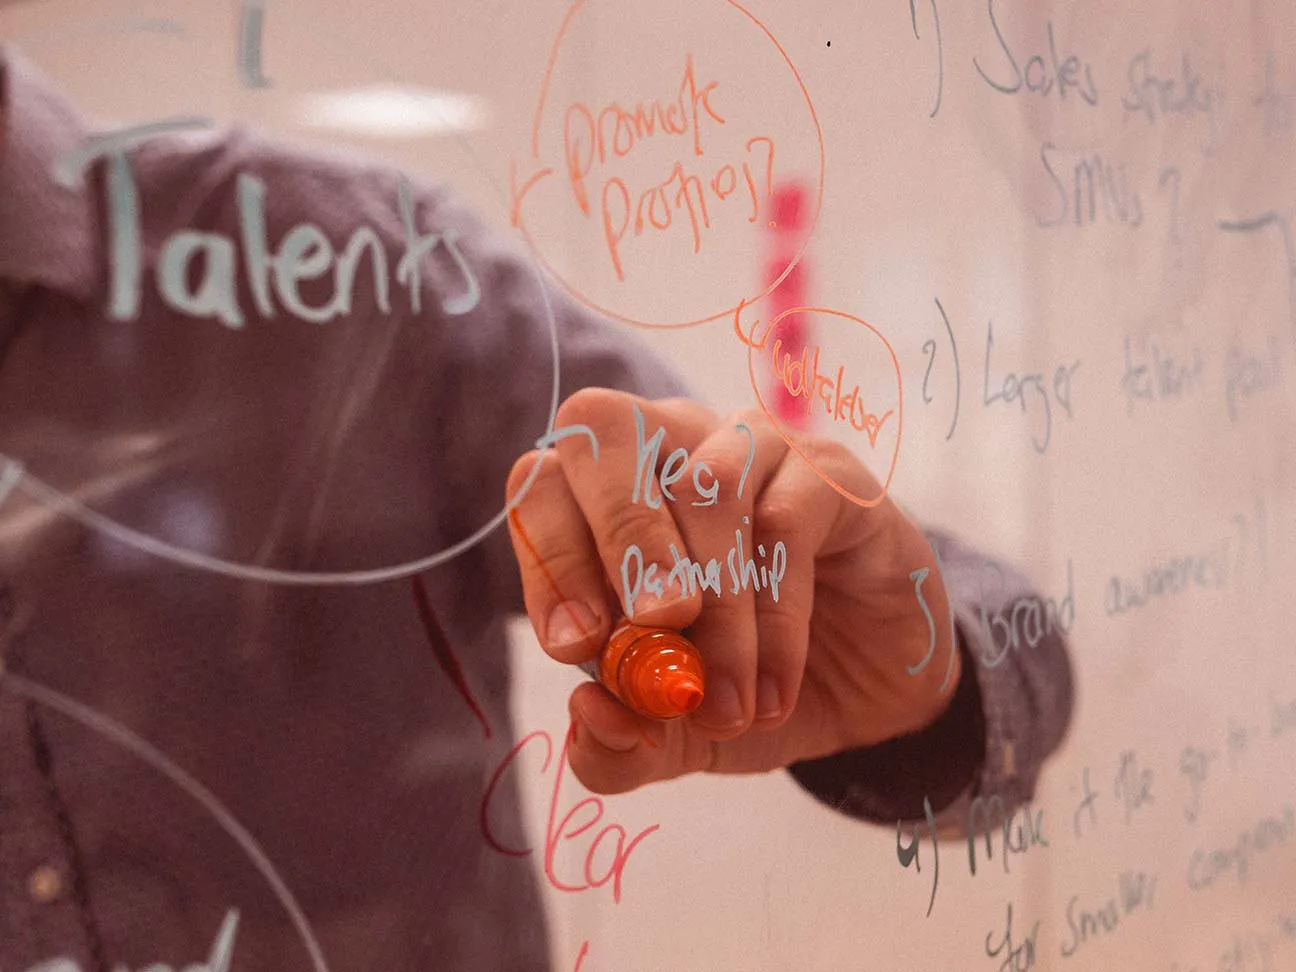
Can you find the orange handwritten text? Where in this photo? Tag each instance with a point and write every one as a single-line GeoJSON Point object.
{"type": "Point", "coordinates": [801, 378]}
{"type": "Point", "coordinates": [568, 828]}
{"type": "Point", "coordinates": [691, 194]}
{"type": "Point", "coordinates": [616, 131]}
{"type": "Point", "coordinates": [671, 175]}
{"type": "Point", "coordinates": [591, 138]}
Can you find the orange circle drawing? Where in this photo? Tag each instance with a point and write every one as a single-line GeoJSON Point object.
{"type": "Point", "coordinates": [519, 193]}
{"type": "Point", "coordinates": [754, 346]}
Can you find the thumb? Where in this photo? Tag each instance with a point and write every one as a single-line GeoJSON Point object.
{"type": "Point", "coordinates": [615, 750]}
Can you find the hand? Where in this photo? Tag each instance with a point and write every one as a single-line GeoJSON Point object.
{"type": "Point", "coordinates": [823, 670]}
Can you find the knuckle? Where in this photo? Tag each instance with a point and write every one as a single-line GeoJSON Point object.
{"type": "Point", "coordinates": [688, 410]}
{"type": "Point", "coordinates": [752, 416]}
{"type": "Point", "coordinates": [633, 529]}
{"type": "Point", "coordinates": [565, 563]}
{"type": "Point", "coordinates": [779, 515]}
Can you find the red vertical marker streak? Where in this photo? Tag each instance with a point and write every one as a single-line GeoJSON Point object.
{"type": "Point", "coordinates": [580, 959]}
{"type": "Point", "coordinates": [558, 595]}
{"type": "Point", "coordinates": [444, 655]}
{"type": "Point", "coordinates": [789, 205]}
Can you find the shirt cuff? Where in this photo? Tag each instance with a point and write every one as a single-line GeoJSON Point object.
{"type": "Point", "coordinates": [888, 782]}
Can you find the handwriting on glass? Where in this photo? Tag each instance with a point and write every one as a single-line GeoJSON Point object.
{"type": "Point", "coordinates": [1017, 958]}
{"type": "Point", "coordinates": [762, 571]}
{"type": "Point", "coordinates": [218, 960]}
{"type": "Point", "coordinates": [560, 831]}
{"type": "Point", "coordinates": [802, 379]}
{"type": "Point", "coordinates": [690, 576]}
{"type": "Point", "coordinates": [1042, 76]}
{"type": "Point", "coordinates": [591, 137]}
{"type": "Point", "coordinates": [1020, 831]}
{"type": "Point", "coordinates": [1205, 867]}
{"type": "Point", "coordinates": [1091, 188]}
{"type": "Point", "coordinates": [304, 255]}
{"type": "Point", "coordinates": [1136, 892]}
{"type": "Point", "coordinates": [1195, 764]}
{"type": "Point", "coordinates": [1016, 388]}
{"type": "Point", "coordinates": [1160, 374]}
{"type": "Point", "coordinates": [1026, 621]}
{"type": "Point", "coordinates": [929, 347]}
{"type": "Point", "coordinates": [672, 470]}
{"type": "Point", "coordinates": [1133, 785]}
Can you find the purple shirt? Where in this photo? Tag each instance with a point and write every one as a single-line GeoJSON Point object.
{"type": "Point", "coordinates": [375, 435]}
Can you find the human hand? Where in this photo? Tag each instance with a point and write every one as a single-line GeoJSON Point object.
{"type": "Point", "coordinates": [823, 669]}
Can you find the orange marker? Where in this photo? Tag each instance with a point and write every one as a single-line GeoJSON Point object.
{"type": "Point", "coordinates": [657, 672]}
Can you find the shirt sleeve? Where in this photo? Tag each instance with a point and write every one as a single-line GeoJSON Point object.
{"type": "Point", "coordinates": [1010, 710]}
{"type": "Point", "coordinates": [499, 344]}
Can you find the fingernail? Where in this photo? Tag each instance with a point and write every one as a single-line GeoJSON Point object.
{"type": "Point", "coordinates": [768, 703]}
{"type": "Point", "coordinates": [723, 706]}
{"type": "Point", "coordinates": [570, 623]}
{"type": "Point", "coordinates": [615, 741]}
{"type": "Point", "coordinates": [646, 605]}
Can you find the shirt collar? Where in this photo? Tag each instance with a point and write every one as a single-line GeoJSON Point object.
{"type": "Point", "coordinates": [47, 231]}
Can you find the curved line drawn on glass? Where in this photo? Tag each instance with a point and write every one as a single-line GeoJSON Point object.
{"type": "Point", "coordinates": [958, 370]}
{"type": "Point", "coordinates": [9, 479]}
{"type": "Point", "coordinates": [251, 30]}
{"type": "Point", "coordinates": [834, 402]}
{"type": "Point", "coordinates": [751, 455]}
{"type": "Point", "coordinates": [940, 53]}
{"type": "Point", "coordinates": [219, 958]}
{"type": "Point", "coordinates": [64, 504]}
{"type": "Point", "coordinates": [538, 172]}
{"type": "Point", "coordinates": [929, 348]}
{"type": "Point", "coordinates": [116, 733]}
{"type": "Point", "coordinates": [445, 655]}
{"type": "Point", "coordinates": [1282, 223]}
{"type": "Point", "coordinates": [918, 576]}
{"type": "Point", "coordinates": [557, 435]}
{"type": "Point", "coordinates": [909, 855]}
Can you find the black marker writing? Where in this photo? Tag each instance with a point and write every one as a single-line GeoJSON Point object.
{"type": "Point", "coordinates": [1017, 958]}
{"type": "Point", "coordinates": [909, 855]}
{"type": "Point", "coordinates": [251, 27]}
{"type": "Point", "coordinates": [940, 53]}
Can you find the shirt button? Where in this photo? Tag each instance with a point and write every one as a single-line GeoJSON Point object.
{"type": "Point", "coordinates": [44, 884]}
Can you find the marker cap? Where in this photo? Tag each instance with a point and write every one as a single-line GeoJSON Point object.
{"type": "Point", "coordinates": [657, 672]}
